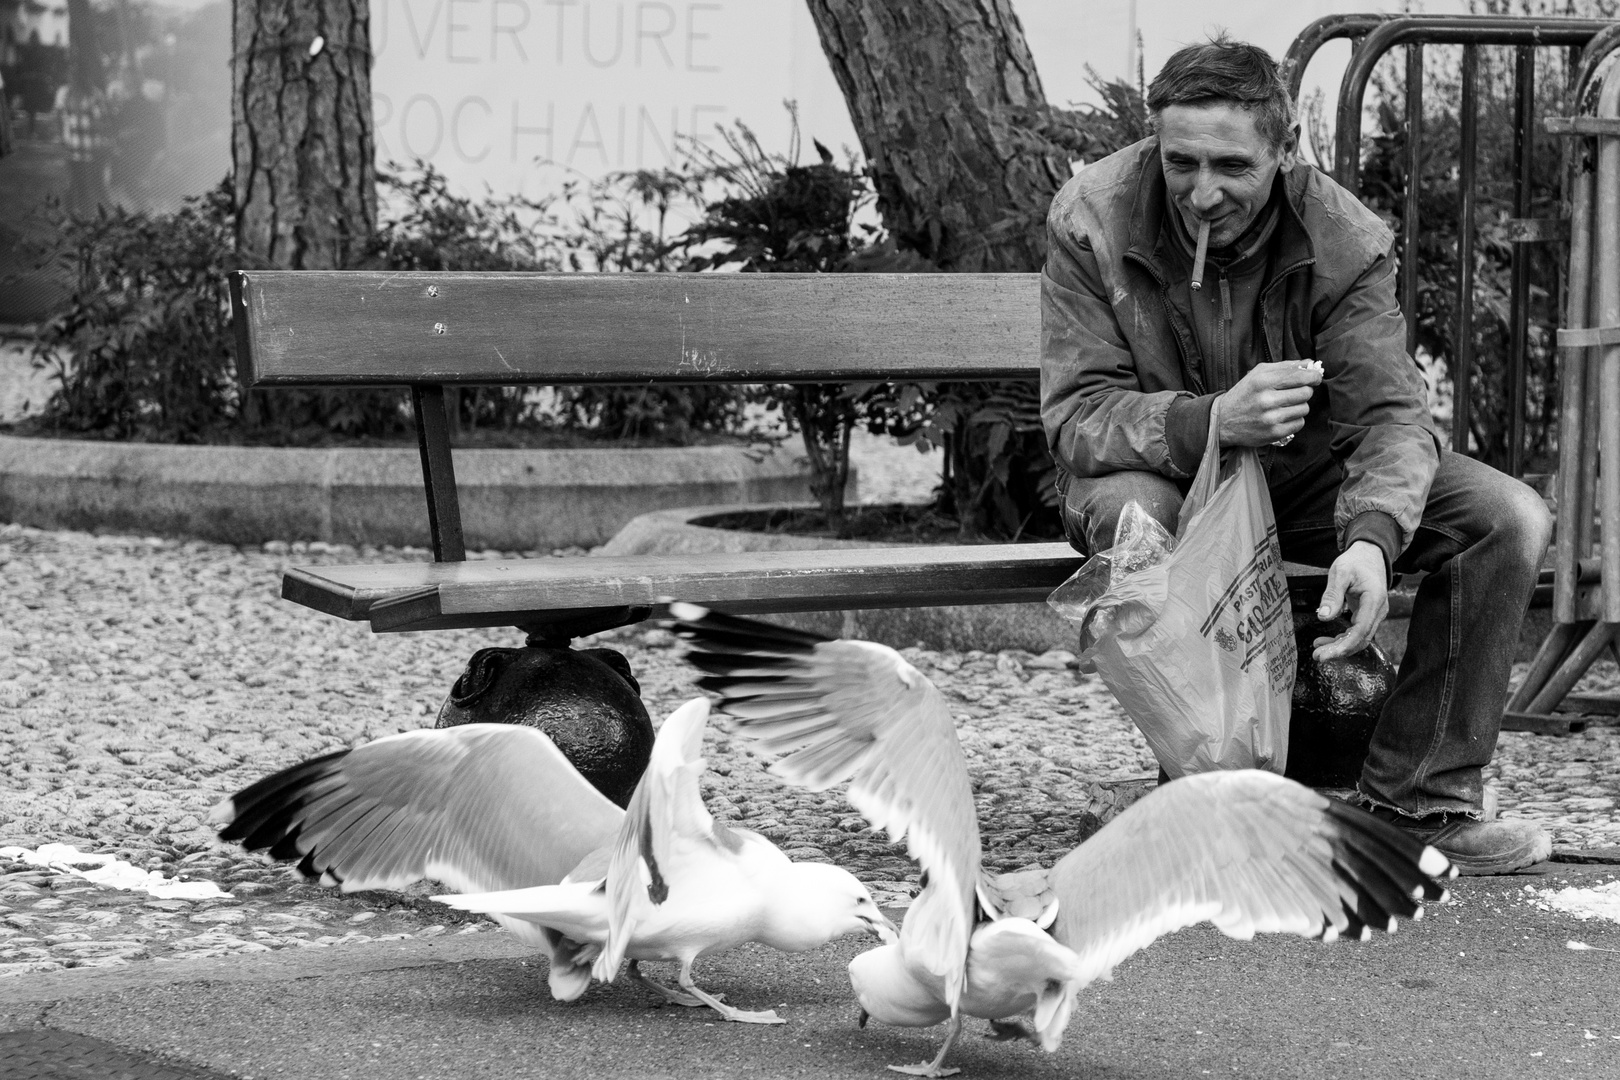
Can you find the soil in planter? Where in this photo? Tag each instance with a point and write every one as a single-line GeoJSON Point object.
{"type": "Point", "coordinates": [890, 522]}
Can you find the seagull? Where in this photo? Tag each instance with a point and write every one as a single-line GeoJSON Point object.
{"type": "Point", "coordinates": [496, 812]}
{"type": "Point", "coordinates": [1246, 850]}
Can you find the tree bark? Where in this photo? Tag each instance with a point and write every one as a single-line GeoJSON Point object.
{"type": "Point", "coordinates": [945, 98]}
{"type": "Point", "coordinates": [302, 142]}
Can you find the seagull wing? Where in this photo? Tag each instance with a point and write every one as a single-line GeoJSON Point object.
{"type": "Point", "coordinates": [854, 710]}
{"type": "Point", "coordinates": [666, 816]}
{"type": "Point", "coordinates": [479, 807]}
{"type": "Point", "coordinates": [1246, 850]}
{"type": "Point", "coordinates": [575, 909]}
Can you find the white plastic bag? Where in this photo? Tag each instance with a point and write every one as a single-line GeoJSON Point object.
{"type": "Point", "coordinates": [1196, 642]}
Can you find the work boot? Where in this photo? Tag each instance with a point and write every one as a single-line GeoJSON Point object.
{"type": "Point", "coordinates": [1476, 847]}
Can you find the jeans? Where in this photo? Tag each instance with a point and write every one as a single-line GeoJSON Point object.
{"type": "Point", "coordinates": [1480, 544]}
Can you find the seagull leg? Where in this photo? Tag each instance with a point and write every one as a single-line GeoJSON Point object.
{"type": "Point", "coordinates": [936, 1067]}
{"type": "Point", "coordinates": [669, 993]}
{"type": "Point", "coordinates": [767, 1017]}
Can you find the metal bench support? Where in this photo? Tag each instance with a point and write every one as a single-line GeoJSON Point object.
{"type": "Point", "coordinates": [438, 472]}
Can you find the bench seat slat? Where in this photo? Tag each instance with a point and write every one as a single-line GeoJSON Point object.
{"type": "Point", "coordinates": [424, 596]}
{"type": "Point", "coordinates": [360, 328]}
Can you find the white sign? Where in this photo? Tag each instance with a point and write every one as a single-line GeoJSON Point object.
{"type": "Point", "coordinates": [504, 92]}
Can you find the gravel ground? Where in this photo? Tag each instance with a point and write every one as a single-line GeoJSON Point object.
{"type": "Point", "coordinates": [142, 680]}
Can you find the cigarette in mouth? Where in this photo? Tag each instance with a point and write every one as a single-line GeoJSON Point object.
{"type": "Point", "coordinates": [1198, 257]}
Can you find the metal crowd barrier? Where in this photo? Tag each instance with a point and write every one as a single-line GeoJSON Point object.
{"type": "Point", "coordinates": [1372, 37]}
{"type": "Point", "coordinates": [1586, 616]}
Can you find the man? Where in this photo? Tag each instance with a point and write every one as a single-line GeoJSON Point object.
{"type": "Point", "coordinates": [1133, 357]}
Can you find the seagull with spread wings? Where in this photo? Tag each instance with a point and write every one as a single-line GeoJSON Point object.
{"type": "Point", "coordinates": [497, 812]}
{"type": "Point", "coordinates": [1246, 850]}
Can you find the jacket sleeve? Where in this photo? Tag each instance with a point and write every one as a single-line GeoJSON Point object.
{"type": "Point", "coordinates": [1097, 418]}
{"type": "Point", "coordinates": [1378, 411]}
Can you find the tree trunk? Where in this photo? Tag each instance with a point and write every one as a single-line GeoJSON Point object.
{"type": "Point", "coordinates": [83, 123]}
{"type": "Point", "coordinates": [302, 142]}
{"type": "Point", "coordinates": [945, 98]}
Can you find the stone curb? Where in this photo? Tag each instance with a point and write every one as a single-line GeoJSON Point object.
{"type": "Point", "coordinates": [510, 499]}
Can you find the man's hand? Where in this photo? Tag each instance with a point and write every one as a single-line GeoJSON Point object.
{"type": "Point", "coordinates": [1268, 404]}
{"type": "Point", "coordinates": [1358, 573]}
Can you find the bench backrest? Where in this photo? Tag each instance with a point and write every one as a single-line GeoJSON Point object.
{"type": "Point", "coordinates": [428, 330]}
{"type": "Point", "coordinates": [364, 328]}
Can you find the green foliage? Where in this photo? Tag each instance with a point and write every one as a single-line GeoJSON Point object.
{"type": "Point", "coordinates": [429, 227]}
{"type": "Point", "coordinates": [774, 215]}
{"type": "Point", "coordinates": [623, 223]}
{"type": "Point", "coordinates": [999, 478]}
{"type": "Point", "coordinates": [142, 349]}
{"type": "Point", "coordinates": [616, 223]}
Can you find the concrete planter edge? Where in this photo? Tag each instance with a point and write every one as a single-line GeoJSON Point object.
{"type": "Point", "coordinates": [511, 500]}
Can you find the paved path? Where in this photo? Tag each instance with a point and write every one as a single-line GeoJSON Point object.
{"type": "Point", "coordinates": [1482, 988]}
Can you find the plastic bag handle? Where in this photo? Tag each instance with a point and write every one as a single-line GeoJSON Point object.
{"type": "Point", "coordinates": [1208, 477]}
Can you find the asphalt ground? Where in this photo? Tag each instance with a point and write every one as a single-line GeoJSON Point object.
{"type": "Point", "coordinates": [1483, 987]}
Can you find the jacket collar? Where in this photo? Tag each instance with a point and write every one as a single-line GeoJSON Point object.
{"type": "Point", "coordinates": [1147, 241]}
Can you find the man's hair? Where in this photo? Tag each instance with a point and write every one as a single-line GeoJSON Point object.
{"type": "Point", "coordinates": [1225, 71]}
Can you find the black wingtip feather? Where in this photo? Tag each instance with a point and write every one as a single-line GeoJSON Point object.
{"type": "Point", "coordinates": [1356, 819]}
{"type": "Point", "coordinates": [298, 813]}
{"type": "Point", "coordinates": [286, 848]}
{"type": "Point", "coordinates": [1382, 864]}
{"type": "Point", "coordinates": [290, 776]}
{"type": "Point", "coordinates": [306, 866]}
{"type": "Point", "coordinates": [263, 800]}
{"type": "Point", "coordinates": [719, 630]}
{"type": "Point", "coordinates": [724, 664]}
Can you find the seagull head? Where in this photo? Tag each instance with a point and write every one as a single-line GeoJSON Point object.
{"type": "Point", "coordinates": [817, 902]}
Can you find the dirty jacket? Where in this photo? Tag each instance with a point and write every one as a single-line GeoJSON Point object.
{"type": "Point", "coordinates": [1124, 388]}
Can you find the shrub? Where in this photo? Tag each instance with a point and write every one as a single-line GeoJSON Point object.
{"type": "Point", "coordinates": [774, 215]}
{"type": "Point", "coordinates": [142, 349]}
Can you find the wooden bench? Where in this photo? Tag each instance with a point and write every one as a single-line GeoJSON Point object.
{"type": "Point", "coordinates": [429, 331]}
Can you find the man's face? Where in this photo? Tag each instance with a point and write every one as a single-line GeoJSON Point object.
{"type": "Point", "coordinates": [1218, 167]}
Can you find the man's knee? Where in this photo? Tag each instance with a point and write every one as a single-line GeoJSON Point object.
{"type": "Point", "coordinates": [1472, 503]}
{"type": "Point", "coordinates": [1525, 514]}
{"type": "Point", "coordinates": [1091, 506]}
{"type": "Point", "coordinates": [1514, 512]}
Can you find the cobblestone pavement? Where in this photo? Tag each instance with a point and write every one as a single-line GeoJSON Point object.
{"type": "Point", "coordinates": [142, 680]}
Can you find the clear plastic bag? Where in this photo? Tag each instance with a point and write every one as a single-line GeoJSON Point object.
{"type": "Point", "coordinates": [1140, 542]}
{"type": "Point", "coordinates": [1194, 636]}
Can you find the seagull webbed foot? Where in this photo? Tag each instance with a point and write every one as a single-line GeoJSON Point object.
{"type": "Point", "coordinates": [925, 1068]}
{"type": "Point", "coordinates": [935, 1068]}
{"type": "Point", "coordinates": [713, 1001]}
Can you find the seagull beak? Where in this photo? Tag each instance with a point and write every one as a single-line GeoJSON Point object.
{"type": "Point", "coordinates": [860, 1020]}
{"type": "Point", "coordinates": [884, 930]}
